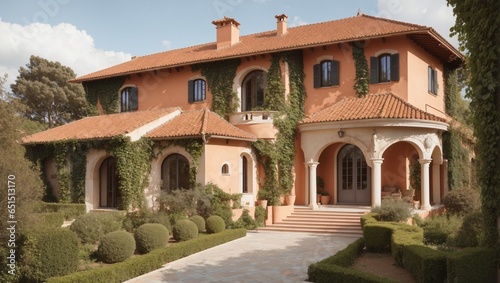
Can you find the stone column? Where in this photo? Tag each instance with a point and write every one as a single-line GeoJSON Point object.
{"type": "Point", "coordinates": [425, 198]}
{"type": "Point", "coordinates": [436, 182]}
{"type": "Point", "coordinates": [377, 181]}
{"type": "Point", "coordinates": [312, 184]}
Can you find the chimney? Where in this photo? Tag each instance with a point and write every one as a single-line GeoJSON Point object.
{"type": "Point", "coordinates": [228, 32]}
{"type": "Point", "coordinates": [281, 24]}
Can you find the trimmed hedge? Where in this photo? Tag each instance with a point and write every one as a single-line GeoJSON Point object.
{"type": "Point", "coordinates": [116, 246]}
{"type": "Point", "coordinates": [199, 221]}
{"type": "Point", "coordinates": [337, 266]}
{"type": "Point", "coordinates": [425, 264]}
{"type": "Point", "coordinates": [49, 219]}
{"type": "Point", "coordinates": [48, 252]}
{"type": "Point", "coordinates": [405, 235]}
{"type": "Point", "coordinates": [91, 227]}
{"type": "Point", "coordinates": [378, 236]}
{"type": "Point", "coordinates": [150, 236]}
{"type": "Point", "coordinates": [472, 265]}
{"type": "Point", "coordinates": [184, 230]}
{"type": "Point", "coordinates": [136, 266]}
{"type": "Point", "coordinates": [215, 224]}
{"type": "Point", "coordinates": [69, 210]}
{"type": "Point", "coordinates": [368, 218]}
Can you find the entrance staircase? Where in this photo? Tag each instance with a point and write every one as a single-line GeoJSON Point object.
{"type": "Point", "coordinates": [343, 221]}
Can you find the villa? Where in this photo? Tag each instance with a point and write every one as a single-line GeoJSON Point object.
{"type": "Point", "coordinates": [358, 102]}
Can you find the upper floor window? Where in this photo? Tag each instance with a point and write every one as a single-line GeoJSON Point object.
{"type": "Point", "coordinates": [432, 80]}
{"type": "Point", "coordinates": [384, 68]}
{"type": "Point", "coordinates": [197, 90]}
{"type": "Point", "coordinates": [326, 73]}
{"type": "Point", "coordinates": [253, 90]}
{"type": "Point", "coordinates": [129, 99]}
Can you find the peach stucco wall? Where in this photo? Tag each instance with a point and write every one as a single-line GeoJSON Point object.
{"type": "Point", "coordinates": [395, 167]}
{"type": "Point", "coordinates": [327, 169]}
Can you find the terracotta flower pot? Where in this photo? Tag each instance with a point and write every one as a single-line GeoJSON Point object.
{"type": "Point", "coordinates": [290, 199]}
{"type": "Point", "coordinates": [325, 200]}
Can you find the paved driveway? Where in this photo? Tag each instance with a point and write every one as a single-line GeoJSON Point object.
{"type": "Point", "coordinates": [258, 257]}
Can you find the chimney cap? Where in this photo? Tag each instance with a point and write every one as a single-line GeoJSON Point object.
{"type": "Point", "coordinates": [225, 21]}
{"type": "Point", "coordinates": [281, 17]}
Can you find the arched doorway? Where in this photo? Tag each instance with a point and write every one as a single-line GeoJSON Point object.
{"type": "Point", "coordinates": [175, 172]}
{"type": "Point", "coordinates": [109, 194]}
{"type": "Point", "coordinates": [354, 182]}
{"type": "Point", "coordinates": [253, 88]}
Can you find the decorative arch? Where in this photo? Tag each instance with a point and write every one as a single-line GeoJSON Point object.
{"type": "Point", "coordinates": [320, 146]}
{"type": "Point", "coordinates": [240, 77]}
{"type": "Point", "coordinates": [175, 172]}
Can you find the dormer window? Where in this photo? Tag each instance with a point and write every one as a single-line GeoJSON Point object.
{"type": "Point", "coordinates": [197, 90]}
{"type": "Point", "coordinates": [384, 68]}
{"type": "Point", "coordinates": [326, 73]}
{"type": "Point", "coordinates": [129, 99]}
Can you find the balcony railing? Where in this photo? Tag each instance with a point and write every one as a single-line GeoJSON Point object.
{"type": "Point", "coordinates": [252, 117]}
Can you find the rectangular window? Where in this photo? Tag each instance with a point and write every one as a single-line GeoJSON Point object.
{"type": "Point", "coordinates": [432, 80]}
{"type": "Point", "coordinates": [196, 90]}
{"type": "Point", "coordinates": [326, 73]}
{"type": "Point", "coordinates": [129, 100]}
{"type": "Point", "coordinates": [384, 68]}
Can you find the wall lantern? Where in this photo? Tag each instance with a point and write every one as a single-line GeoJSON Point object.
{"type": "Point", "coordinates": [341, 133]}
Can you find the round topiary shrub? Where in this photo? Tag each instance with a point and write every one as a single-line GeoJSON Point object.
{"type": "Point", "coordinates": [150, 236]}
{"type": "Point", "coordinates": [215, 224]}
{"type": "Point", "coordinates": [199, 221]}
{"type": "Point", "coordinates": [184, 230]}
{"type": "Point", "coordinates": [48, 252]}
{"type": "Point", "coordinates": [93, 226]}
{"type": "Point", "coordinates": [116, 246]}
{"type": "Point", "coordinates": [461, 201]}
{"type": "Point", "coordinates": [393, 210]}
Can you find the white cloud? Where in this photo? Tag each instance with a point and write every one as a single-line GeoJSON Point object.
{"type": "Point", "coordinates": [166, 43]}
{"type": "Point", "coordinates": [63, 43]}
{"type": "Point", "coordinates": [297, 22]}
{"type": "Point", "coordinates": [431, 13]}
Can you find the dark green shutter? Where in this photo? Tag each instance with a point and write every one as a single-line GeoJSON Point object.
{"type": "Point", "coordinates": [335, 72]}
{"type": "Point", "coordinates": [395, 67]}
{"type": "Point", "coordinates": [317, 75]}
{"type": "Point", "coordinates": [191, 91]}
{"type": "Point", "coordinates": [374, 70]}
{"type": "Point", "coordinates": [134, 99]}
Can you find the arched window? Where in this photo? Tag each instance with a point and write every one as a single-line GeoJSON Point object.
{"type": "Point", "coordinates": [225, 169]}
{"type": "Point", "coordinates": [253, 90]}
{"type": "Point", "coordinates": [175, 172]}
{"type": "Point", "coordinates": [129, 99]}
{"type": "Point", "coordinates": [197, 90]}
{"type": "Point", "coordinates": [384, 68]}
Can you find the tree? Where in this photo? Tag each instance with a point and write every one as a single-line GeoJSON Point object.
{"type": "Point", "coordinates": [42, 93]}
{"type": "Point", "coordinates": [478, 27]}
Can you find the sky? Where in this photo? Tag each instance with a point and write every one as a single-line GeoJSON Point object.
{"type": "Point", "coordinates": [90, 35]}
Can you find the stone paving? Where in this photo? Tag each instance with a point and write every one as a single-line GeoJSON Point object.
{"type": "Point", "coordinates": [258, 257]}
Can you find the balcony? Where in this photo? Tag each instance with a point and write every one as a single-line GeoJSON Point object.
{"type": "Point", "coordinates": [259, 123]}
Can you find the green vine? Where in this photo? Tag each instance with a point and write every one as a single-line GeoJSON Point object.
{"type": "Point", "coordinates": [361, 83]}
{"type": "Point", "coordinates": [106, 92]}
{"type": "Point", "coordinates": [219, 76]}
{"type": "Point", "coordinates": [277, 157]}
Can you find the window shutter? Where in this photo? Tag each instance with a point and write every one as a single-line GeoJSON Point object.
{"type": "Point", "coordinates": [430, 77]}
{"type": "Point", "coordinates": [395, 67]}
{"type": "Point", "coordinates": [133, 99]}
{"type": "Point", "coordinates": [374, 70]}
{"type": "Point", "coordinates": [435, 81]}
{"type": "Point", "coordinates": [317, 75]}
{"type": "Point", "coordinates": [191, 91]}
{"type": "Point", "coordinates": [335, 73]}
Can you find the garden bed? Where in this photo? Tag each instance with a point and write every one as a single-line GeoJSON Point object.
{"type": "Point", "coordinates": [382, 265]}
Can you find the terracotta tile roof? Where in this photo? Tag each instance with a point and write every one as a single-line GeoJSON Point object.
{"type": "Point", "coordinates": [342, 30]}
{"type": "Point", "coordinates": [196, 123]}
{"type": "Point", "coordinates": [99, 127]}
{"type": "Point", "coordinates": [372, 106]}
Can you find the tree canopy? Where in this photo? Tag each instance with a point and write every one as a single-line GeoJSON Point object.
{"type": "Point", "coordinates": [42, 93]}
{"type": "Point", "coordinates": [478, 27]}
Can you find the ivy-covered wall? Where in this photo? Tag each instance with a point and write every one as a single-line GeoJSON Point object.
{"type": "Point", "coordinates": [106, 92]}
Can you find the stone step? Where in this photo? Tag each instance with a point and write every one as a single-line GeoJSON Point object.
{"type": "Point", "coordinates": [347, 232]}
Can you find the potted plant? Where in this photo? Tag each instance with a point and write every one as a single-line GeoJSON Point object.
{"type": "Point", "coordinates": [262, 198]}
{"type": "Point", "coordinates": [320, 186]}
{"type": "Point", "coordinates": [325, 197]}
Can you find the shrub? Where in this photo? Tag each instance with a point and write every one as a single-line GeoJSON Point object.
{"type": "Point", "coordinates": [136, 266]}
{"type": "Point", "coordinates": [245, 221]}
{"type": "Point", "coordinates": [93, 226]}
{"type": "Point", "coordinates": [150, 236]}
{"type": "Point", "coordinates": [135, 219]}
{"type": "Point", "coordinates": [184, 230]}
{"type": "Point", "coordinates": [472, 265]}
{"type": "Point", "coordinates": [404, 235]}
{"type": "Point", "coordinates": [440, 229]}
{"type": "Point", "coordinates": [368, 218]}
{"type": "Point", "coordinates": [49, 219]}
{"type": "Point", "coordinates": [199, 221]}
{"type": "Point", "coordinates": [461, 201]}
{"type": "Point", "coordinates": [425, 264]}
{"type": "Point", "coordinates": [393, 210]}
{"type": "Point", "coordinates": [69, 210]}
{"type": "Point", "coordinates": [48, 252]}
{"type": "Point", "coordinates": [260, 216]}
{"type": "Point", "coordinates": [215, 224]}
{"type": "Point", "coordinates": [378, 236]}
{"type": "Point", "coordinates": [161, 218]}
{"type": "Point", "coordinates": [116, 246]}
{"type": "Point", "coordinates": [471, 232]}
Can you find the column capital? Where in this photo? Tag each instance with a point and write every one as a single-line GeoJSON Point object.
{"type": "Point", "coordinates": [312, 163]}
{"type": "Point", "coordinates": [424, 161]}
{"type": "Point", "coordinates": [377, 160]}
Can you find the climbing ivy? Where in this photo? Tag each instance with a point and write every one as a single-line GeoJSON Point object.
{"type": "Point", "coordinates": [477, 28]}
{"type": "Point", "coordinates": [361, 82]}
{"type": "Point", "coordinates": [106, 92]}
{"type": "Point", "coordinates": [219, 76]}
{"type": "Point", "coordinates": [277, 157]}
